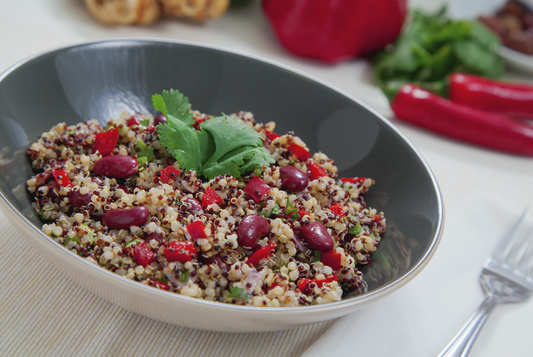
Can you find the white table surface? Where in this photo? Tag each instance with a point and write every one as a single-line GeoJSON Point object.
{"type": "Point", "coordinates": [31, 26]}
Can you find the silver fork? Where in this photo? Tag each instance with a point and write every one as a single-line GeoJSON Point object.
{"type": "Point", "coordinates": [506, 277]}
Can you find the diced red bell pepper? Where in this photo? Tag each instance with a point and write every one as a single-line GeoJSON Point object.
{"type": "Point", "coordinates": [150, 128]}
{"type": "Point", "coordinates": [262, 253]}
{"type": "Point", "coordinates": [303, 284]}
{"type": "Point", "coordinates": [337, 210]}
{"type": "Point", "coordinates": [256, 189]}
{"type": "Point", "coordinates": [133, 121]}
{"type": "Point", "coordinates": [160, 285]}
{"type": "Point", "coordinates": [167, 175]}
{"type": "Point", "coordinates": [332, 260]}
{"type": "Point", "coordinates": [197, 124]}
{"type": "Point", "coordinates": [62, 178]}
{"type": "Point", "coordinates": [274, 284]}
{"type": "Point", "coordinates": [180, 251]}
{"type": "Point", "coordinates": [302, 212]}
{"type": "Point", "coordinates": [211, 197]}
{"type": "Point", "coordinates": [299, 151]}
{"type": "Point", "coordinates": [105, 142]}
{"type": "Point", "coordinates": [197, 230]}
{"type": "Point", "coordinates": [272, 136]}
{"type": "Point", "coordinates": [353, 179]}
{"type": "Point", "coordinates": [316, 171]}
{"type": "Point", "coordinates": [143, 254]}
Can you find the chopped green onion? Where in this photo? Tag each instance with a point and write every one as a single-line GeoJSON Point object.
{"type": "Point", "coordinates": [318, 256]}
{"type": "Point", "coordinates": [355, 230]}
{"type": "Point", "coordinates": [132, 242]}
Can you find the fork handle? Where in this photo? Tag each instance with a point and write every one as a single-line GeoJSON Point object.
{"type": "Point", "coordinates": [463, 341]}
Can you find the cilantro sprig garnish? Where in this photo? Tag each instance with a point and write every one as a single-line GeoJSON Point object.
{"type": "Point", "coordinates": [238, 293]}
{"type": "Point", "coordinates": [224, 145]}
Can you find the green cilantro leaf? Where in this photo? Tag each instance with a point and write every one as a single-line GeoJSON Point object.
{"type": "Point", "coordinates": [238, 293]}
{"type": "Point", "coordinates": [276, 210]}
{"type": "Point", "coordinates": [476, 59]}
{"type": "Point", "coordinates": [173, 103]}
{"type": "Point", "coordinates": [182, 143]}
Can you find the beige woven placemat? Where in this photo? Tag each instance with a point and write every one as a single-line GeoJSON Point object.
{"type": "Point", "coordinates": [43, 313]}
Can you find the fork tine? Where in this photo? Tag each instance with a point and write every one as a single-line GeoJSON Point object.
{"type": "Point", "coordinates": [511, 250]}
{"type": "Point", "coordinates": [523, 253]}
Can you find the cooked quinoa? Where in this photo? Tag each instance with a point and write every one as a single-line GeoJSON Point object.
{"type": "Point", "coordinates": [217, 268]}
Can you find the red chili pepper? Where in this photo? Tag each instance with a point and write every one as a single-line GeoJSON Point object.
{"type": "Point", "coordinates": [62, 178]}
{"type": "Point", "coordinates": [273, 136]}
{"type": "Point", "coordinates": [211, 197]}
{"type": "Point", "coordinates": [332, 260]}
{"type": "Point", "coordinates": [160, 285]}
{"type": "Point", "coordinates": [334, 31]}
{"type": "Point", "coordinates": [440, 115]}
{"type": "Point", "coordinates": [197, 230]}
{"type": "Point", "coordinates": [303, 284]}
{"type": "Point", "coordinates": [256, 188]}
{"type": "Point", "coordinates": [514, 99]}
{"type": "Point", "coordinates": [316, 171]}
{"type": "Point", "coordinates": [167, 175]}
{"type": "Point", "coordinates": [143, 254]}
{"type": "Point", "coordinates": [336, 209]}
{"type": "Point", "coordinates": [299, 151]}
{"type": "Point", "coordinates": [260, 254]}
{"type": "Point", "coordinates": [180, 251]}
{"type": "Point", "coordinates": [105, 142]}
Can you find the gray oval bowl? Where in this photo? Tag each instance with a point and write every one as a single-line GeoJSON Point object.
{"type": "Point", "coordinates": [99, 80]}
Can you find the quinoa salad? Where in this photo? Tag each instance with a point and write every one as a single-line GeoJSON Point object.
{"type": "Point", "coordinates": [215, 208]}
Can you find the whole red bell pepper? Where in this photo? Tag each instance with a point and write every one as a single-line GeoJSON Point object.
{"type": "Point", "coordinates": [443, 116]}
{"type": "Point", "coordinates": [514, 99]}
{"type": "Point", "coordinates": [337, 30]}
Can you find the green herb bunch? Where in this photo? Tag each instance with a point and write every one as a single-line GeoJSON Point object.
{"type": "Point", "coordinates": [432, 47]}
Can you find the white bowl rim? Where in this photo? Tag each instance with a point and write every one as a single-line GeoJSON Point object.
{"type": "Point", "coordinates": [339, 305]}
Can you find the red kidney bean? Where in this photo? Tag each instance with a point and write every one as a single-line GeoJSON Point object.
{"type": "Point", "coordinates": [117, 166]}
{"type": "Point", "coordinates": [316, 235]}
{"type": "Point", "coordinates": [195, 205]}
{"type": "Point", "coordinates": [293, 179]}
{"type": "Point", "coordinates": [124, 218]}
{"type": "Point", "coordinates": [159, 119]}
{"type": "Point", "coordinates": [76, 199]}
{"type": "Point", "coordinates": [251, 228]}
